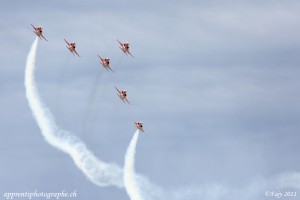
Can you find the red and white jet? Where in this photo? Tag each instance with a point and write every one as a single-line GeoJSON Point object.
{"type": "Point", "coordinates": [139, 125]}
{"type": "Point", "coordinates": [125, 48]}
{"type": "Point", "coordinates": [105, 63]}
{"type": "Point", "coordinates": [39, 32]}
{"type": "Point", "coordinates": [72, 47]}
{"type": "Point", "coordinates": [123, 95]}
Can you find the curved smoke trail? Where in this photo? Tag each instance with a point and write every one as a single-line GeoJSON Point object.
{"type": "Point", "coordinates": [140, 188]}
{"type": "Point", "coordinates": [99, 172]}
{"type": "Point", "coordinates": [130, 181]}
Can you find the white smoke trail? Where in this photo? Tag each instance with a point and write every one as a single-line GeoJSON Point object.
{"type": "Point", "coordinates": [99, 172]}
{"type": "Point", "coordinates": [140, 188]}
{"type": "Point", "coordinates": [130, 181]}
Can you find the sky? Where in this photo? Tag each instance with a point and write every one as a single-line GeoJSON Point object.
{"type": "Point", "coordinates": [216, 84]}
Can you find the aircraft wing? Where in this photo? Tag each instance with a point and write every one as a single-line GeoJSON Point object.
{"type": "Point", "coordinates": [127, 101]}
{"type": "Point", "coordinates": [99, 57]}
{"type": "Point", "coordinates": [118, 90]}
{"type": "Point", "coordinates": [33, 27]}
{"type": "Point", "coordinates": [130, 54]}
{"type": "Point", "coordinates": [67, 42]}
{"type": "Point", "coordinates": [44, 38]}
{"type": "Point", "coordinates": [120, 43]}
{"type": "Point", "coordinates": [110, 69]}
{"type": "Point", "coordinates": [76, 53]}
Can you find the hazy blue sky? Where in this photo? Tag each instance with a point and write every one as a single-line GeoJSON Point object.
{"type": "Point", "coordinates": [215, 82]}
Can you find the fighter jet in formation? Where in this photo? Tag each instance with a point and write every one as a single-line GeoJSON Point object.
{"type": "Point", "coordinates": [139, 125]}
{"type": "Point", "coordinates": [72, 47]}
{"type": "Point", "coordinates": [125, 48]}
{"type": "Point", "coordinates": [105, 63]}
{"type": "Point", "coordinates": [123, 95]}
{"type": "Point", "coordinates": [39, 32]}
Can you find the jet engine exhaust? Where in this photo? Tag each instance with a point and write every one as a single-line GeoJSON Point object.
{"type": "Point", "coordinates": [130, 180]}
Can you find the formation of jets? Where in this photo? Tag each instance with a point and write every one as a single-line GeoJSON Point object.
{"type": "Point", "coordinates": [71, 46]}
